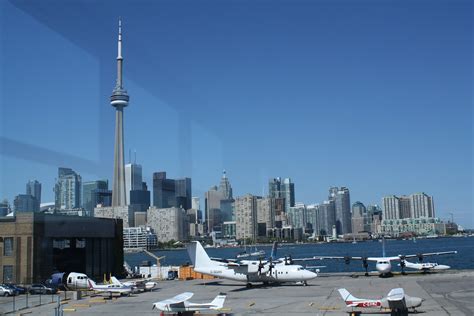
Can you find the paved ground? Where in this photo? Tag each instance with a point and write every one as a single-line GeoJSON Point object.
{"type": "Point", "coordinates": [449, 293]}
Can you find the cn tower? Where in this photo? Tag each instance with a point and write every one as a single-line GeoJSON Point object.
{"type": "Point", "coordinates": [119, 100]}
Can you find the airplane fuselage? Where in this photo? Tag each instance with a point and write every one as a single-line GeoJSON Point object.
{"type": "Point", "coordinates": [279, 274]}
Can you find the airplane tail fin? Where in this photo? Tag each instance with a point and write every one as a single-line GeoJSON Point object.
{"type": "Point", "coordinates": [91, 283]}
{"type": "Point", "coordinates": [346, 296]}
{"type": "Point", "coordinates": [114, 280]}
{"type": "Point", "coordinates": [274, 250]}
{"type": "Point", "coordinates": [218, 302]}
{"type": "Point", "coordinates": [383, 246]}
{"type": "Point", "coordinates": [198, 255]}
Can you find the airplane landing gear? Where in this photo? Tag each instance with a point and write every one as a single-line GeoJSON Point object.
{"type": "Point", "coordinates": [305, 283]}
{"type": "Point", "coordinates": [249, 285]}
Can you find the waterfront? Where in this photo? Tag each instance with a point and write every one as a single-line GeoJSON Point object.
{"type": "Point", "coordinates": [463, 260]}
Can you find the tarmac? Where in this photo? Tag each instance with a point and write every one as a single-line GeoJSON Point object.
{"type": "Point", "coordinates": [447, 293]}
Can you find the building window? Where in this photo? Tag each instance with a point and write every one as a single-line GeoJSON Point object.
{"type": "Point", "coordinates": [7, 274]}
{"type": "Point", "coordinates": [8, 246]}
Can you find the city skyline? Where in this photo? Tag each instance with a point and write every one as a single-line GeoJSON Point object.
{"type": "Point", "coordinates": [319, 139]}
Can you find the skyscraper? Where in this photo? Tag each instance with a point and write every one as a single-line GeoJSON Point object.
{"type": "Point", "coordinates": [119, 100]}
{"type": "Point", "coordinates": [359, 214]}
{"type": "Point", "coordinates": [225, 187]}
{"type": "Point", "coordinates": [67, 189]}
{"type": "Point", "coordinates": [297, 216]}
{"type": "Point", "coordinates": [170, 192]}
{"type": "Point", "coordinates": [327, 217]}
{"type": "Point", "coordinates": [133, 179]}
{"type": "Point", "coordinates": [212, 202]}
{"type": "Point", "coordinates": [342, 200]}
{"type": "Point", "coordinates": [282, 189]}
{"type": "Point", "coordinates": [33, 188]}
{"type": "Point", "coordinates": [93, 193]}
{"type": "Point", "coordinates": [25, 203]}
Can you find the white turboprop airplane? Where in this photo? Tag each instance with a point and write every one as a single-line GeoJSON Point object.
{"type": "Point", "coordinates": [247, 271]}
{"type": "Point", "coordinates": [110, 288]}
{"type": "Point", "coordinates": [180, 303]}
{"type": "Point", "coordinates": [144, 285]}
{"type": "Point", "coordinates": [425, 266]}
{"type": "Point", "coordinates": [396, 301]}
{"type": "Point", "coordinates": [383, 264]}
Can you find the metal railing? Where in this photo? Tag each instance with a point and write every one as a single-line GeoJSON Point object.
{"type": "Point", "coordinates": [10, 304]}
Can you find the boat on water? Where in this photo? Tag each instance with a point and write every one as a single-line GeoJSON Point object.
{"type": "Point", "coordinates": [257, 252]}
{"type": "Point", "coordinates": [243, 255]}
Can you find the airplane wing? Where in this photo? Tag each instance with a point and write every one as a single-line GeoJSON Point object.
{"type": "Point", "coordinates": [341, 258]}
{"type": "Point", "coordinates": [430, 254]}
{"type": "Point", "coordinates": [178, 299]}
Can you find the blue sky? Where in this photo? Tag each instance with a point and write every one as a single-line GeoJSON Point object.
{"type": "Point", "coordinates": [372, 95]}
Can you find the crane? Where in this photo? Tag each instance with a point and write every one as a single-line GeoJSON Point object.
{"type": "Point", "coordinates": [158, 263]}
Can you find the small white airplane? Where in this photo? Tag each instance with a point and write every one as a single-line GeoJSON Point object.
{"type": "Point", "coordinates": [396, 301]}
{"type": "Point", "coordinates": [424, 266]}
{"type": "Point", "coordinates": [110, 288]}
{"type": "Point", "coordinates": [144, 285]}
{"type": "Point", "coordinates": [248, 271]}
{"type": "Point", "coordinates": [383, 264]}
{"type": "Point", "coordinates": [180, 303]}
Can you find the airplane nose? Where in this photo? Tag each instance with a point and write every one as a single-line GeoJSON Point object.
{"type": "Point", "coordinates": [418, 301]}
{"type": "Point", "coordinates": [310, 275]}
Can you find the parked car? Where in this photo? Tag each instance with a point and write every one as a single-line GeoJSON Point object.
{"type": "Point", "coordinates": [6, 291]}
{"type": "Point", "coordinates": [18, 289]}
{"type": "Point", "coordinates": [9, 286]}
{"type": "Point", "coordinates": [41, 289]}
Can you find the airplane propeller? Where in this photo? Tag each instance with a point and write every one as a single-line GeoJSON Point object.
{"type": "Point", "coordinates": [366, 265]}
{"type": "Point", "coordinates": [402, 263]}
{"type": "Point", "coordinates": [260, 267]}
{"type": "Point", "coordinates": [420, 257]}
{"type": "Point", "coordinates": [288, 260]}
{"type": "Point", "coordinates": [270, 267]}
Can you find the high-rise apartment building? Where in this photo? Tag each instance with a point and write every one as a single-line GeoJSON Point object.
{"type": "Point", "coordinates": [404, 206]}
{"type": "Point", "coordinates": [391, 207]}
{"type": "Point", "coordinates": [266, 212]}
{"type": "Point", "coordinates": [68, 189]}
{"type": "Point", "coordinates": [33, 188]}
{"type": "Point", "coordinates": [312, 211]}
{"type": "Point", "coordinates": [246, 217]}
{"type": "Point", "coordinates": [417, 205]}
{"type": "Point", "coordinates": [282, 189]}
{"type": "Point", "coordinates": [168, 223]}
{"type": "Point", "coordinates": [297, 216]}
{"type": "Point", "coordinates": [327, 217]}
{"type": "Point", "coordinates": [422, 205]}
